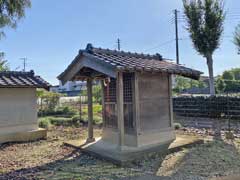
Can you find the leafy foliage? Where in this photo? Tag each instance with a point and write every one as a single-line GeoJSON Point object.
{"type": "Point", "coordinates": [236, 73]}
{"type": "Point", "coordinates": [48, 100]}
{"type": "Point", "coordinates": [183, 83]}
{"type": "Point", "coordinates": [237, 38]}
{"type": "Point", "coordinates": [12, 11]}
{"type": "Point", "coordinates": [205, 23]}
{"type": "Point", "coordinates": [97, 115]}
{"type": "Point", "coordinates": [228, 75]}
{"type": "Point", "coordinates": [229, 82]}
{"type": "Point", "coordinates": [60, 121]}
{"type": "Point", "coordinates": [232, 86]}
{"type": "Point", "coordinates": [220, 85]}
{"type": "Point", "coordinates": [3, 63]}
{"type": "Point", "coordinates": [44, 123]}
{"type": "Point", "coordinates": [205, 20]}
{"type": "Point", "coordinates": [97, 96]}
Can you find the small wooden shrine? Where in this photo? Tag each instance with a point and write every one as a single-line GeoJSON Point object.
{"type": "Point", "coordinates": [137, 100]}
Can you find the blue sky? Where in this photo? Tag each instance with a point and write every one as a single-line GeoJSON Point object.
{"type": "Point", "coordinates": [53, 31]}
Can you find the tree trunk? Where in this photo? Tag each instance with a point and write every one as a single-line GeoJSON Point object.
{"type": "Point", "coordinates": [211, 77]}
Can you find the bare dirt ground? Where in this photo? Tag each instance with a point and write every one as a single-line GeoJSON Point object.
{"type": "Point", "coordinates": [49, 159]}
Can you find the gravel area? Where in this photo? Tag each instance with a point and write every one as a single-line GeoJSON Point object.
{"type": "Point", "coordinates": [49, 159]}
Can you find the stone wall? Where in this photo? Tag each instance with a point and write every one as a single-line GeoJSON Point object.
{"type": "Point", "coordinates": [220, 107]}
{"type": "Point", "coordinates": [206, 112]}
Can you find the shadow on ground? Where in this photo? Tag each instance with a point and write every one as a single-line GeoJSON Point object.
{"type": "Point", "coordinates": [73, 166]}
{"type": "Point", "coordinates": [212, 159]}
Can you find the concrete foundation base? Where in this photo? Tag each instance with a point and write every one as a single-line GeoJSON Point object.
{"type": "Point", "coordinates": [121, 155]}
{"type": "Point", "coordinates": [127, 154]}
{"type": "Point", "coordinates": [24, 136]}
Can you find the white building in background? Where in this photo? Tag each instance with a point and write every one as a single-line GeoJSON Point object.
{"type": "Point", "coordinates": [70, 88]}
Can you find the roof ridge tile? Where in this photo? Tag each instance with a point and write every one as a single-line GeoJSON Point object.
{"type": "Point", "coordinates": [91, 49]}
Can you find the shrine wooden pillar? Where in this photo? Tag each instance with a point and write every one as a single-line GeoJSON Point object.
{"type": "Point", "coordinates": [90, 111]}
{"type": "Point", "coordinates": [120, 110]}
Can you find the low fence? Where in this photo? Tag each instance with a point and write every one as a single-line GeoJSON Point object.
{"type": "Point", "coordinates": [206, 112]}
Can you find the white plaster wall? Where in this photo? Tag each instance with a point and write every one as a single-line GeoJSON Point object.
{"type": "Point", "coordinates": [18, 110]}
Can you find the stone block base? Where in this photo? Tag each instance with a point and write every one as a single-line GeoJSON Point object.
{"type": "Point", "coordinates": [123, 155]}
{"type": "Point", "coordinates": [24, 136]}
{"type": "Point", "coordinates": [126, 154]}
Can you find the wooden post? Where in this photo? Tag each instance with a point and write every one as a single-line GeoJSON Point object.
{"type": "Point", "coordinates": [136, 104]}
{"type": "Point", "coordinates": [90, 111]}
{"type": "Point", "coordinates": [170, 99]}
{"type": "Point", "coordinates": [103, 104]}
{"type": "Point", "coordinates": [120, 112]}
{"type": "Point", "coordinates": [80, 107]}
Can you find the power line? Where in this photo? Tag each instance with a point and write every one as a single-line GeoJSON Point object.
{"type": "Point", "coordinates": [160, 45]}
{"type": "Point", "coordinates": [180, 17]}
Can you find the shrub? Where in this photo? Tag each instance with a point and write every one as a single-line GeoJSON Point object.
{"type": "Point", "coordinates": [65, 110]}
{"type": "Point", "coordinates": [97, 119]}
{"type": "Point", "coordinates": [44, 123]}
{"type": "Point", "coordinates": [76, 120]}
{"type": "Point", "coordinates": [59, 111]}
{"type": "Point", "coordinates": [60, 121]}
{"type": "Point", "coordinates": [46, 112]}
{"type": "Point", "coordinates": [48, 100]}
{"type": "Point", "coordinates": [84, 120]}
{"type": "Point", "coordinates": [97, 108]}
{"type": "Point", "coordinates": [177, 126]}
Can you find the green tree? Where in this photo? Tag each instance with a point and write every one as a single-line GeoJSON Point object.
{"type": "Point", "coordinates": [186, 83]}
{"type": "Point", "coordinates": [220, 85]}
{"type": "Point", "coordinates": [205, 24]}
{"type": "Point", "coordinates": [48, 100]}
{"type": "Point", "coordinates": [97, 93]}
{"type": "Point", "coordinates": [229, 81]}
{"type": "Point", "coordinates": [3, 63]}
{"type": "Point", "coordinates": [236, 39]}
{"type": "Point", "coordinates": [228, 75]}
{"type": "Point", "coordinates": [236, 73]}
{"type": "Point", "coordinates": [11, 11]}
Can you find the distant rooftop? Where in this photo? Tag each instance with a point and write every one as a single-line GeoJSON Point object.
{"type": "Point", "coordinates": [16, 79]}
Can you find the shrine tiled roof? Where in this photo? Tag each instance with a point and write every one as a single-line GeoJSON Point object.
{"type": "Point", "coordinates": [127, 61]}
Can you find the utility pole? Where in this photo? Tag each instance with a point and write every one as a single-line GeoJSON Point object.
{"type": "Point", "coordinates": [118, 44]}
{"type": "Point", "coordinates": [24, 63]}
{"type": "Point", "coordinates": [176, 31]}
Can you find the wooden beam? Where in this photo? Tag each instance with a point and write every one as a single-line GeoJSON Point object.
{"type": "Point", "coordinates": [90, 111]}
{"type": "Point", "coordinates": [98, 65]}
{"type": "Point", "coordinates": [120, 115]}
{"type": "Point", "coordinates": [71, 71]}
{"type": "Point", "coordinates": [89, 61]}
